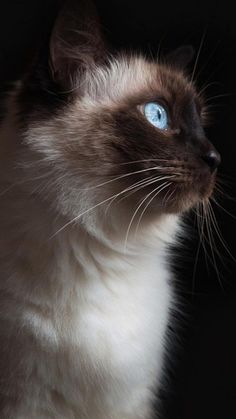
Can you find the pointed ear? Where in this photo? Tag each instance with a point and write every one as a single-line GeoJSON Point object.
{"type": "Point", "coordinates": [181, 57]}
{"type": "Point", "coordinates": [76, 41]}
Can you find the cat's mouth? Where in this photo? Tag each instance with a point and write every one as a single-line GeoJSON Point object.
{"type": "Point", "coordinates": [188, 190]}
{"type": "Point", "coordinates": [173, 188]}
{"type": "Point", "coordinates": [175, 193]}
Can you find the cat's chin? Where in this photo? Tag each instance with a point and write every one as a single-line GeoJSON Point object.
{"type": "Point", "coordinates": [187, 197]}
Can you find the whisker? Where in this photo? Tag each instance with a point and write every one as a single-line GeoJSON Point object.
{"type": "Point", "coordinates": [220, 191]}
{"type": "Point", "coordinates": [147, 160]}
{"type": "Point", "coordinates": [228, 181]}
{"type": "Point", "coordinates": [85, 212]}
{"type": "Point", "coordinates": [155, 179]}
{"type": "Point", "coordinates": [219, 96]}
{"type": "Point", "coordinates": [136, 186]}
{"type": "Point", "coordinates": [202, 217]}
{"type": "Point", "coordinates": [2, 193]}
{"type": "Point", "coordinates": [22, 182]}
{"type": "Point", "coordinates": [218, 232]}
{"type": "Point", "coordinates": [81, 214]}
{"type": "Point", "coordinates": [42, 187]}
{"type": "Point", "coordinates": [167, 198]}
{"type": "Point", "coordinates": [201, 220]}
{"type": "Point", "coordinates": [208, 59]}
{"type": "Point", "coordinates": [200, 231]}
{"type": "Point", "coordinates": [223, 209]}
{"type": "Point", "coordinates": [198, 54]}
{"type": "Point", "coordinates": [137, 209]}
{"type": "Point", "coordinates": [200, 92]}
{"type": "Point", "coordinates": [212, 245]}
{"type": "Point", "coordinates": [204, 237]}
{"type": "Point", "coordinates": [149, 202]}
{"type": "Point", "coordinates": [155, 168]}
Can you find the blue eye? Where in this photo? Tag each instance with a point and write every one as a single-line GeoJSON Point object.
{"type": "Point", "coordinates": [156, 115]}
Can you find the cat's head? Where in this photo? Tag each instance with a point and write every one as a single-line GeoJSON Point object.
{"type": "Point", "coordinates": [117, 130]}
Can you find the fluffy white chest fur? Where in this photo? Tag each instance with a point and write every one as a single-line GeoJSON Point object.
{"type": "Point", "coordinates": [83, 323]}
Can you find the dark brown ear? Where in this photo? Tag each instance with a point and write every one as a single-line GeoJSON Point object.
{"type": "Point", "coordinates": [76, 41]}
{"type": "Point", "coordinates": [181, 57]}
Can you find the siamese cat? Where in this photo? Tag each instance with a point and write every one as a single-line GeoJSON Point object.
{"type": "Point", "coordinates": [101, 153]}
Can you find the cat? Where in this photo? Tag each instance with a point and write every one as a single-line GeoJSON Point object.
{"type": "Point", "coordinates": [101, 154]}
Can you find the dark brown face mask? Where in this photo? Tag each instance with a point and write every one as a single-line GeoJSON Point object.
{"type": "Point", "coordinates": [119, 121]}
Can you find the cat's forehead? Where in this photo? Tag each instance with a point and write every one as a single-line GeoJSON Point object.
{"type": "Point", "coordinates": [135, 77]}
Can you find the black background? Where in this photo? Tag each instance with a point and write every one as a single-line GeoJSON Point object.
{"type": "Point", "coordinates": [202, 380]}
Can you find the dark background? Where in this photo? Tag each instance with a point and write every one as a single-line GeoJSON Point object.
{"type": "Point", "coordinates": [202, 379]}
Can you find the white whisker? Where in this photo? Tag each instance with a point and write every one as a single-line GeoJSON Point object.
{"type": "Point", "coordinates": [212, 244]}
{"type": "Point", "coordinates": [198, 55]}
{"type": "Point", "coordinates": [155, 179]}
{"type": "Point", "coordinates": [134, 188]}
{"type": "Point", "coordinates": [136, 211]}
{"type": "Point", "coordinates": [200, 242]}
{"type": "Point", "coordinates": [126, 175]}
{"type": "Point", "coordinates": [81, 214]}
{"type": "Point", "coordinates": [148, 160]}
{"type": "Point", "coordinates": [166, 184]}
{"type": "Point", "coordinates": [218, 232]}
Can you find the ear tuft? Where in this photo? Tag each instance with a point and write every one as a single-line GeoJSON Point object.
{"type": "Point", "coordinates": [181, 57]}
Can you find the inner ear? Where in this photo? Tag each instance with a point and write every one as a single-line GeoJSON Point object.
{"type": "Point", "coordinates": [181, 57]}
{"type": "Point", "coordinates": [76, 41]}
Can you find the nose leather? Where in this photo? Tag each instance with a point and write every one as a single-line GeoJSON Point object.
{"type": "Point", "coordinates": [213, 159]}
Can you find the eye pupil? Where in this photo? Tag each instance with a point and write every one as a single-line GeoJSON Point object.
{"type": "Point", "coordinates": [156, 115]}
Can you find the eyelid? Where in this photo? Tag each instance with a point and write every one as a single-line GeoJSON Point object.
{"type": "Point", "coordinates": [159, 101]}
